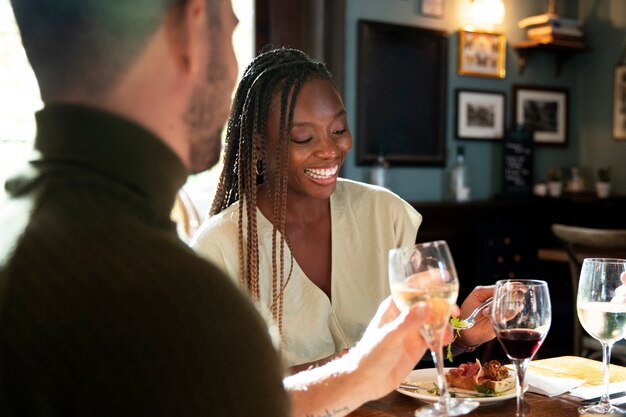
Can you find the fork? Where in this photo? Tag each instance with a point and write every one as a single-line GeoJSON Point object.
{"type": "Point", "coordinates": [470, 321]}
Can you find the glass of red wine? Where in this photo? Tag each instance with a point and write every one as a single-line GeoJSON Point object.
{"type": "Point", "coordinates": [521, 316]}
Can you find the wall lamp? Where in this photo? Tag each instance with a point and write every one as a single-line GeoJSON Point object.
{"type": "Point", "coordinates": [484, 15]}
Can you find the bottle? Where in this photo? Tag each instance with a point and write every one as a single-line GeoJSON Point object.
{"type": "Point", "coordinates": [460, 179]}
{"type": "Point", "coordinates": [379, 171]}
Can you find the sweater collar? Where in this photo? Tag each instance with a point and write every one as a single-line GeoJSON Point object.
{"type": "Point", "coordinates": [113, 146]}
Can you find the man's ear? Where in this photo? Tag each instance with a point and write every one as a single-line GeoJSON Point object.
{"type": "Point", "coordinates": [187, 32]}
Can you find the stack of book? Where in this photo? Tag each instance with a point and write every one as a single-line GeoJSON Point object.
{"type": "Point", "coordinates": [550, 28]}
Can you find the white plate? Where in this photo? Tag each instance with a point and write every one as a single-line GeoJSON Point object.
{"type": "Point", "coordinates": [424, 380]}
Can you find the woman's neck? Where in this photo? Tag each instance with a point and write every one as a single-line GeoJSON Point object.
{"type": "Point", "coordinates": [300, 210]}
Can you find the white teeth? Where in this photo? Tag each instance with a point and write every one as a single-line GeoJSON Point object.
{"type": "Point", "coordinates": [321, 174]}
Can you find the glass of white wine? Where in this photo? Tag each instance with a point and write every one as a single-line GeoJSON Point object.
{"type": "Point", "coordinates": [602, 312]}
{"type": "Point", "coordinates": [425, 273]}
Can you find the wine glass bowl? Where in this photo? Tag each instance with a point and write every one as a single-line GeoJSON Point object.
{"type": "Point", "coordinates": [601, 309]}
{"type": "Point", "coordinates": [521, 315]}
{"type": "Point", "coordinates": [425, 273]}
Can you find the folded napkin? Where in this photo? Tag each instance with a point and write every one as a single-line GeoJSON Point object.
{"type": "Point", "coordinates": [550, 386]}
{"type": "Point", "coordinates": [596, 390]}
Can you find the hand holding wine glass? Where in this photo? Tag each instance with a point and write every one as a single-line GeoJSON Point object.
{"type": "Point", "coordinates": [521, 316]}
{"type": "Point", "coordinates": [426, 273]}
{"type": "Point", "coordinates": [601, 306]}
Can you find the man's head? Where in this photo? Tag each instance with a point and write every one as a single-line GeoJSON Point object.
{"type": "Point", "coordinates": [166, 64]}
{"type": "Point", "coordinates": [85, 45]}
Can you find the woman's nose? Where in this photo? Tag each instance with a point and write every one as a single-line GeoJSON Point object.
{"type": "Point", "coordinates": [328, 148]}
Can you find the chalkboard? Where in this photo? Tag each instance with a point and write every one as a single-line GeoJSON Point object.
{"type": "Point", "coordinates": [518, 163]}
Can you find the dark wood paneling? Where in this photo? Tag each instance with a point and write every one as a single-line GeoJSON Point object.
{"type": "Point", "coordinates": [316, 27]}
{"type": "Point", "coordinates": [469, 227]}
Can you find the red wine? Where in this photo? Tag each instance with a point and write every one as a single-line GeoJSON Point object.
{"type": "Point", "coordinates": [520, 343]}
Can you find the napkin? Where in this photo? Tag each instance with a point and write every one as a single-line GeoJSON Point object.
{"type": "Point", "coordinates": [550, 386]}
{"type": "Point", "coordinates": [596, 391]}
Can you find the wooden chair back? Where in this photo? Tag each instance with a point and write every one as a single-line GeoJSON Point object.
{"type": "Point", "coordinates": [584, 242]}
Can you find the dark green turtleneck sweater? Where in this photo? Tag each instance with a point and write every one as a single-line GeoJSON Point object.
{"type": "Point", "coordinates": [103, 310]}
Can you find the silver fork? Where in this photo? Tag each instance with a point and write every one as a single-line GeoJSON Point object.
{"type": "Point", "coordinates": [471, 320]}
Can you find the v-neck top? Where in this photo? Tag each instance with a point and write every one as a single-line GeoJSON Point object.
{"type": "Point", "coordinates": [366, 222]}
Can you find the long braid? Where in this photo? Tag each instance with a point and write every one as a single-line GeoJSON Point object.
{"type": "Point", "coordinates": [280, 70]}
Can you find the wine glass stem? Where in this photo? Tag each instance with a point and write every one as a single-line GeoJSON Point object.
{"type": "Point", "coordinates": [606, 358]}
{"type": "Point", "coordinates": [520, 371]}
{"type": "Point", "coordinates": [437, 354]}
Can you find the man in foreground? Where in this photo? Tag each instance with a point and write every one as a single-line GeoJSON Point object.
{"type": "Point", "coordinates": [103, 310]}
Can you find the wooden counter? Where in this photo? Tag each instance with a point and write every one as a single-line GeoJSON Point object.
{"type": "Point", "coordinates": [499, 238]}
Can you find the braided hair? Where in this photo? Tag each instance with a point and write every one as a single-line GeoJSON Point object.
{"type": "Point", "coordinates": [282, 71]}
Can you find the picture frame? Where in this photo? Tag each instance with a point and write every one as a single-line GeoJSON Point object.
{"type": "Point", "coordinates": [480, 114]}
{"type": "Point", "coordinates": [544, 110]}
{"type": "Point", "coordinates": [432, 8]}
{"type": "Point", "coordinates": [619, 103]}
{"type": "Point", "coordinates": [482, 54]}
{"type": "Point", "coordinates": [401, 94]}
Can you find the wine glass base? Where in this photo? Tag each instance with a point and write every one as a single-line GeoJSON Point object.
{"type": "Point", "coordinates": [600, 409]}
{"type": "Point", "coordinates": [455, 408]}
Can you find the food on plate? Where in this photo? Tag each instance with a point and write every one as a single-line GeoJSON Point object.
{"type": "Point", "coordinates": [488, 378]}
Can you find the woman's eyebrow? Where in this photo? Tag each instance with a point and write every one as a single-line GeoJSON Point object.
{"type": "Point", "coordinates": [337, 115]}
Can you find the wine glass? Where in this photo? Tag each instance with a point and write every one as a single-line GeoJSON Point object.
{"type": "Point", "coordinates": [425, 273]}
{"type": "Point", "coordinates": [521, 316]}
{"type": "Point", "coordinates": [602, 314]}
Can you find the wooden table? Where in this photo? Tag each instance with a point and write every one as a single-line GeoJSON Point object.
{"type": "Point", "coordinates": [399, 405]}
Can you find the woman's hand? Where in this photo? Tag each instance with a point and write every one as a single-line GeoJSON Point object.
{"type": "Point", "coordinates": [620, 292]}
{"type": "Point", "coordinates": [482, 330]}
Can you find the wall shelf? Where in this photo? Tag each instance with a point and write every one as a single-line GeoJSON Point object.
{"type": "Point", "coordinates": [562, 51]}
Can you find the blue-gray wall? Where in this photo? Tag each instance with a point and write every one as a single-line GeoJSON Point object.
{"type": "Point", "coordinates": [588, 77]}
{"type": "Point", "coordinates": [605, 22]}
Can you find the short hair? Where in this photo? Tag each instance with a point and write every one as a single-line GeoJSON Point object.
{"type": "Point", "coordinates": [85, 45]}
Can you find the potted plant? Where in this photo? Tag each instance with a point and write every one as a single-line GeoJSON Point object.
{"type": "Point", "coordinates": [603, 184]}
{"type": "Point", "coordinates": [555, 182]}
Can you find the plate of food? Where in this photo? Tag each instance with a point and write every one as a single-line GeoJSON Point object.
{"type": "Point", "coordinates": [486, 383]}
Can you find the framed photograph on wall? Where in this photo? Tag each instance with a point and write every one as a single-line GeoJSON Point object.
{"type": "Point", "coordinates": [544, 110]}
{"type": "Point", "coordinates": [480, 114]}
{"type": "Point", "coordinates": [401, 94]}
{"type": "Point", "coordinates": [482, 54]}
{"type": "Point", "coordinates": [432, 8]}
{"type": "Point", "coordinates": [619, 103]}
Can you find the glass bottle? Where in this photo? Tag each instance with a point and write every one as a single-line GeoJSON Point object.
{"type": "Point", "coordinates": [379, 171]}
{"type": "Point", "coordinates": [460, 178]}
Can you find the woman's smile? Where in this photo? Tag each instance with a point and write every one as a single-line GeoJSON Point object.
{"type": "Point", "coordinates": [324, 175]}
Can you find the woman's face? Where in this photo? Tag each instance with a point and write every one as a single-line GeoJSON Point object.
{"type": "Point", "coordinates": [320, 140]}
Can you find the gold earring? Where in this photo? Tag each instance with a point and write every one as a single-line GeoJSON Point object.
{"type": "Point", "coordinates": [259, 167]}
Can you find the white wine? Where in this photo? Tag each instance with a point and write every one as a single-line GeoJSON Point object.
{"type": "Point", "coordinates": [438, 297]}
{"type": "Point", "coordinates": [606, 322]}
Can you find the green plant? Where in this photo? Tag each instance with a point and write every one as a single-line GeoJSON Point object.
{"type": "Point", "coordinates": [604, 174]}
{"type": "Point", "coordinates": [555, 175]}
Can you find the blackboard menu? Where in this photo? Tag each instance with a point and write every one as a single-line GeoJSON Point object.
{"type": "Point", "coordinates": [518, 163]}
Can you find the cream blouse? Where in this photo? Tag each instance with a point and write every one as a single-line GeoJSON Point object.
{"type": "Point", "coordinates": [367, 221]}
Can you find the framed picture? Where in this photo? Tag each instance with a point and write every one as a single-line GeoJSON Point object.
{"type": "Point", "coordinates": [480, 114]}
{"type": "Point", "coordinates": [432, 8]}
{"type": "Point", "coordinates": [619, 103]}
{"type": "Point", "coordinates": [544, 110]}
{"type": "Point", "coordinates": [401, 94]}
{"type": "Point", "coordinates": [482, 54]}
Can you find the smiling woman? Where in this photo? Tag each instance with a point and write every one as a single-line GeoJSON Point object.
{"type": "Point", "coordinates": [300, 240]}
